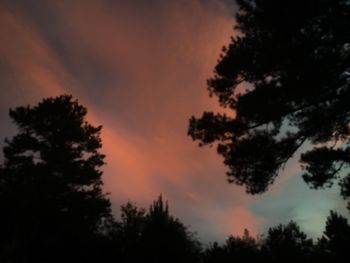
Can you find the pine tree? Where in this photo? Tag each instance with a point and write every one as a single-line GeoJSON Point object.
{"type": "Point", "coordinates": [285, 81]}
{"type": "Point", "coordinates": [51, 198]}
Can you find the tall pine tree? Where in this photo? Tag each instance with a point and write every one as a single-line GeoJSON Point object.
{"type": "Point", "coordinates": [285, 78]}
{"type": "Point", "coordinates": [51, 200]}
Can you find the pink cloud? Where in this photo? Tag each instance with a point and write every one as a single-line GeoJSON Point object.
{"type": "Point", "coordinates": [156, 70]}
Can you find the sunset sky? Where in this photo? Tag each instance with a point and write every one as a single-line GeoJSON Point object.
{"type": "Point", "coordinates": [140, 67]}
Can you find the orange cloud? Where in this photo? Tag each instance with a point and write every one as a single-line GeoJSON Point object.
{"type": "Point", "coordinates": [141, 72]}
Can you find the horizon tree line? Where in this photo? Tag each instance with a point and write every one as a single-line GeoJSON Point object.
{"type": "Point", "coordinates": [53, 208]}
{"type": "Point", "coordinates": [285, 81]}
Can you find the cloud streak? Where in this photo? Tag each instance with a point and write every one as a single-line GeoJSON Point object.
{"type": "Point", "coordinates": [140, 68]}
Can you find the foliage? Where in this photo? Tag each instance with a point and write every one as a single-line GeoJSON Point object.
{"type": "Point", "coordinates": [155, 236]}
{"type": "Point", "coordinates": [50, 183]}
{"type": "Point", "coordinates": [335, 241]}
{"type": "Point", "coordinates": [245, 248]}
{"type": "Point", "coordinates": [288, 240]}
{"type": "Point", "coordinates": [54, 210]}
{"type": "Point", "coordinates": [160, 225]}
{"type": "Point", "coordinates": [285, 78]}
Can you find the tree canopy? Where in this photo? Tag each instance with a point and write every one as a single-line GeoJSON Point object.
{"type": "Point", "coordinates": [50, 183]}
{"type": "Point", "coordinates": [160, 225]}
{"type": "Point", "coordinates": [287, 243]}
{"type": "Point", "coordinates": [53, 208]}
{"type": "Point", "coordinates": [154, 236]}
{"type": "Point", "coordinates": [336, 237]}
{"type": "Point", "coordinates": [285, 77]}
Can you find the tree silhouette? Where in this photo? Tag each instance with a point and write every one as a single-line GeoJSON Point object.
{"type": "Point", "coordinates": [243, 248]}
{"type": "Point", "coordinates": [286, 243]}
{"type": "Point", "coordinates": [130, 232]}
{"type": "Point", "coordinates": [215, 253]}
{"type": "Point", "coordinates": [165, 238]}
{"type": "Point", "coordinates": [285, 78]}
{"type": "Point", "coordinates": [51, 199]}
{"type": "Point", "coordinates": [235, 249]}
{"type": "Point", "coordinates": [335, 241]}
{"type": "Point", "coordinates": [152, 236]}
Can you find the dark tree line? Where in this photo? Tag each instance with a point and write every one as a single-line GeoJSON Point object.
{"type": "Point", "coordinates": [286, 79]}
{"type": "Point", "coordinates": [53, 208]}
{"type": "Point", "coordinates": [286, 243]}
{"type": "Point", "coordinates": [52, 205]}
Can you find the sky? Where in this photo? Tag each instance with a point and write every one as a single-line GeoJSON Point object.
{"type": "Point", "coordinates": [140, 67]}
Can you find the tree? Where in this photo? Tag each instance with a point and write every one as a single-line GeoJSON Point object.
{"type": "Point", "coordinates": [287, 244]}
{"type": "Point", "coordinates": [167, 239]}
{"type": "Point", "coordinates": [51, 198]}
{"type": "Point", "coordinates": [130, 233]}
{"type": "Point", "coordinates": [285, 79]}
{"type": "Point", "coordinates": [215, 253]}
{"type": "Point", "coordinates": [152, 236]}
{"type": "Point", "coordinates": [235, 249]}
{"type": "Point", "coordinates": [335, 241]}
{"type": "Point", "coordinates": [243, 248]}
